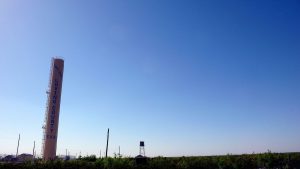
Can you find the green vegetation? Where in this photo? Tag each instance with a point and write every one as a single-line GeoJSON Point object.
{"type": "Point", "coordinates": [248, 161]}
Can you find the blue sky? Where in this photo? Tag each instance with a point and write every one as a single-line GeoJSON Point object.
{"type": "Point", "coordinates": [187, 77]}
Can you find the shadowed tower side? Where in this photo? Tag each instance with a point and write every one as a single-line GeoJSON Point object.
{"type": "Point", "coordinates": [52, 110]}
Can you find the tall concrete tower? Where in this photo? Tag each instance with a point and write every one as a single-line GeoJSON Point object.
{"type": "Point", "coordinates": [52, 110]}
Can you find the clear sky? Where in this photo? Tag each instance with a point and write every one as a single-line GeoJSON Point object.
{"type": "Point", "coordinates": [195, 77]}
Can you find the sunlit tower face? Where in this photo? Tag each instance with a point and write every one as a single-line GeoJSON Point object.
{"type": "Point", "coordinates": [52, 110]}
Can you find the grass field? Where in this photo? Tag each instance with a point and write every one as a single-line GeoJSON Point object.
{"type": "Point", "coordinates": [248, 161]}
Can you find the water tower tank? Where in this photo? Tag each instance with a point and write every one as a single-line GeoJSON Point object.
{"type": "Point", "coordinates": [142, 144]}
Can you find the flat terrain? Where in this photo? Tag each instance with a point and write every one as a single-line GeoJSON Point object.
{"type": "Point", "coordinates": [248, 161]}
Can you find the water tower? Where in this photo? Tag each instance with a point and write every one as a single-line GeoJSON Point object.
{"type": "Point", "coordinates": [142, 149]}
{"type": "Point", "coordinates": [141, 159]}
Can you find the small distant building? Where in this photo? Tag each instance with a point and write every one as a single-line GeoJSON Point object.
{"type": "Point", "coordinates": [66, 158]}
{"type": "Point", "coordinates": [141, 160]}
{"type": "Point", "coordinates": [24, 157]}
{"type": "Point", "coordinates": [9, 158]}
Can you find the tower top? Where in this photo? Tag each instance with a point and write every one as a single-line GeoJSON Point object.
{"type": "Point", "coordinates": [58, 58]}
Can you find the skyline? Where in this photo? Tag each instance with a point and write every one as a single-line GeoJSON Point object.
{"type": "Point", "coordinates": [188, 78]}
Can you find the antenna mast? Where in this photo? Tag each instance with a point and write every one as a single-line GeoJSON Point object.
{"type": "Point", "coordinates": [18, 146]}
{"type": "Point", "coordinates": [33, 150]}
{"type": "Point", "coordinates": [107, 143]}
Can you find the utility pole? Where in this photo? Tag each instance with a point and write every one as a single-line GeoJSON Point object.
{"type": "Point", "coordinates": [107, 143]}
{"type": "Point", "coordinates": [18, 146]}
{"type": "Point", "coordinates": [119, 152]}
{"type": "Point", "coordinates": [33, 150]}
